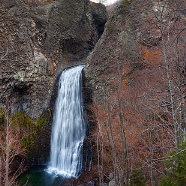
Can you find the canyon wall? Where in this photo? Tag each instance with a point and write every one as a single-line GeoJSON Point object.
{"type": "Point", "coordinates": [38, 41]}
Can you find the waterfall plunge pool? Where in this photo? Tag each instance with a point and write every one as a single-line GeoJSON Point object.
{"type": "Point", "coordinates": [38, 176]}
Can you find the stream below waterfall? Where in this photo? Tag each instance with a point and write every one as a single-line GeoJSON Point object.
{"type": "Point", "coordinates": [38, 176]}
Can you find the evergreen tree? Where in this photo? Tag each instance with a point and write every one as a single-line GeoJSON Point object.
{"type": "Point", "coordinates": [175, 172]}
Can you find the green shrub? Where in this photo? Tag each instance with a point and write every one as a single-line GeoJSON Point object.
{"type": "Point", "coordinates": [137, 178]}
{"type": "Point", "coordinates": [124, 6]}
{"type": "Point", "coordinates": [175, 172]}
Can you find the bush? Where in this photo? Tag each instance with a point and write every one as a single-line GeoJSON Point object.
{"type": "Point", "coordinates": [137, 178]}
{"type": "Point", "coordinates": [175, 172]}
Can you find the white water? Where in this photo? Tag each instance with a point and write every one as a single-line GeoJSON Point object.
{"type": "Point", "coordinates": [68, 130]}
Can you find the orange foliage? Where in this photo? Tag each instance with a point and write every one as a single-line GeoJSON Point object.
{"type": "Point", "coordinates": [147, 127]}
{"type": "Point", "coordinates": [151, 55]}
{"type": "Point", "coordinates": [52, 67]}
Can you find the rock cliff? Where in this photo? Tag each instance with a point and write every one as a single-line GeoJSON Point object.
{"type": "Point", "coordinates": [132, 71]}
{"type": "Point", "coordinates": [117, 47]}
{"type": "Point", "coordinates": [38, 40]}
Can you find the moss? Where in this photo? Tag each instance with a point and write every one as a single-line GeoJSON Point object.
{"type": "Point", "coordinates": [35, 134]}
{"type": "Point", "coordinates": [123, 7]}
{"type": "Point", "coordinates": [1, 116]}
{"type": "Point", "coordinates": [125, 3]}
{"type": "Point", "coordinates": [41, 122]}
{"type": "Point", "coordinates": [137, 178]}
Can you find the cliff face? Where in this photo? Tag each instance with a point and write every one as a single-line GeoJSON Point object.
{"type": "Point", "coordinates": [38, 41]}
{"type": "Point", "coordinates": [131, 42]}
{"type": "Point", "coordinates": [117, 47]}
{"type": "Point", "coordinates": [137, 63]}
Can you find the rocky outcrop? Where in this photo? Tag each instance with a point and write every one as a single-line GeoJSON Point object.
{"type": "Point", "coordinates": [127, 71]}
{"type": "Point", "coordinates": [118, 49]}
{"type": "Point", "coordinates": [130, 37]}
{"type": "Point", "coordinates": [116, 45]}
{"type": "Point", "coordinates": [37, 42]}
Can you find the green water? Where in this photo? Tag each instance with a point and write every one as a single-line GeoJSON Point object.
{"type": "Point", "coordinates": [37, 176]}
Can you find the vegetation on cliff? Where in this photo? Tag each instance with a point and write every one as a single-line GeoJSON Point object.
{"type": "Point", "coordinates": [22, 142]}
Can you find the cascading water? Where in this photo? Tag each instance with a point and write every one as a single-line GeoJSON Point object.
{"type": "Point", "coordinates": [68, 130]}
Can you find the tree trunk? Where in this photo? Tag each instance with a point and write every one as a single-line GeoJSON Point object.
{"type": "Point", "coordinates": [122, 126]}
{"type": "Point", "coordinates": [7, 152]}
{"type": "Point", "coordinates": [181, 95]}
{"type": "Point", "coordinates": [151, 156]}
{"type": "Point", "coordinates": [171, 89]}
{"type": "Point", "coordinates": [0, 170]}
{"type": "Point", "coordinates": [113, 145]}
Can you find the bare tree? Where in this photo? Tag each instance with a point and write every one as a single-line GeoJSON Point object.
{"type": "Point", "coordinates": [11, 146]}
{"type": "Point", "coordinates": [0, 170]}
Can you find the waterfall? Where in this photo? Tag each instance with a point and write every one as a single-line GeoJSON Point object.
{"type": "Point", "coordinates": [68, 130]}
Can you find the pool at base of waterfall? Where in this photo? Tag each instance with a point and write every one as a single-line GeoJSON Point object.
{"type": "Point", "coordinates": [38, 176]}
